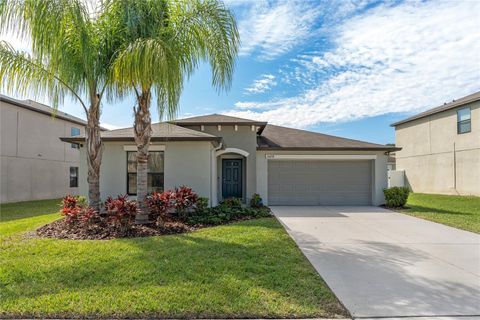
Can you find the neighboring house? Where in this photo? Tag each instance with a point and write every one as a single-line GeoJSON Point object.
{"type": "Point", "coordinates": [441, 148]}
{"type": "Point", "coordinates": [221, 157]}
{"type": "Point", "coordinates": [391, 162]}
{"type": "Point", "coordinates": [34, 163]}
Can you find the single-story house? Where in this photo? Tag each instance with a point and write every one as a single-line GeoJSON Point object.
{"type": "Point", "coordinates": [441, 148]}
{"type": "Point", "coordinates": [222, 156]}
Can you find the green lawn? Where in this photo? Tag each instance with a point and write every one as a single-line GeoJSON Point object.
{"type": "Point", "coordinates": [457, 211]}
{"type": "Point", "coordinates": [246, 269]}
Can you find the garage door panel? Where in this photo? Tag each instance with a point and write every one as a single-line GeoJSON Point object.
{"type": "Point", "coordinates": [308, 182]}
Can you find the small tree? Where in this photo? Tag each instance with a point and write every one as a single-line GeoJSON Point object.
{"type": "Point", "coordinates": [165, 40]}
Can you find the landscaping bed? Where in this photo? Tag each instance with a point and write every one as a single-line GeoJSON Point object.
{"type": "Point", "coordinates": [103, 230]}
{"type": "Point", "coordinates": [171, 212]}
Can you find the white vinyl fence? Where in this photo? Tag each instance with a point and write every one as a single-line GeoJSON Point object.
{"type": "Point", "coordinates": [396, 178]}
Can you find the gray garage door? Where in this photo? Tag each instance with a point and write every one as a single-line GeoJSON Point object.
{"type": "Point", "coordinates": [307, 182]}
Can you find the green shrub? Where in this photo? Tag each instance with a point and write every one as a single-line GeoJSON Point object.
{"type": "Point", "coordinates": [256, 201]}
{"type": "Point", "coordinates": [231, 203]}
{"type": "Point", "coordinates": [223, 214]}
{"type": "Point", "coordinates": [202, 204]}
{"type": "Point", "coordinates": [82, 201]}
{"type": "Point", "coordinates": [396, 197]}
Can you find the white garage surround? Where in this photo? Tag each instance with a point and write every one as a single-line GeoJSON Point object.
{"type": "Point", "coordinates": [321, 156]}
{"type": "Point", "coordinates": [378, 174]}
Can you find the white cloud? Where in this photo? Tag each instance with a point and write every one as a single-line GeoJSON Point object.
{"type": "Point", "coordinates": [403, 58]}
{"type": "Point", "coordinates": [265, 83]}
{"type": "Point", "coordinates": [271, 29]}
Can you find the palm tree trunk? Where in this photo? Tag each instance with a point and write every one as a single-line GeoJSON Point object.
{"type": "Point", "coordinates": [94, 153]}
{"type": "Point", "coordinates": [143, 131]}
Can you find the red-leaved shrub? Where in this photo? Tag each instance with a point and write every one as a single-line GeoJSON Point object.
{"type": "Point", "coordinates": [185, 198]}
{"type": "Point", "coordinates": [179, 200]}
{"type": "Point", "coordinates": [160, 202]}
{"type": "Point", "coordinates": [76, 211]}
{"type": "Point", "coordinates": [120, 210]}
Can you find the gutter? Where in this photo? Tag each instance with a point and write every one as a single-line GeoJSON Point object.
{"type": "Point", "coordinates": [327, 149]}
{"type": "Point", "coordinates": [154, 139]}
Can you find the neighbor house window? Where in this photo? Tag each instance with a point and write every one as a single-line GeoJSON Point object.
{"type": "Point", "coordinates": [75, 132]}
{"type": "Point", "coordinates": [155, 172]}
{"type": "Point", "coordinates": [464, 124]}
{"type": "Point", "coordinates": [73, 177]}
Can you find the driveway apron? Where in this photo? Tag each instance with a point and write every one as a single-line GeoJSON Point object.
{"type": "Point", "coordinates": [381, 263]}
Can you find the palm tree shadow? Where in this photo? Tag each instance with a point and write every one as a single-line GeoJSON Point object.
{"type": "Point", "coordinates": [376, 279]}
{"type": "Point", "coordinates": [424, 209]}
{"type": "Point", "coordinates": [233, 267]}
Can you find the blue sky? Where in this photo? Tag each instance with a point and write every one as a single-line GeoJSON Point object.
{"type": "Point", "coordinates": [346, 68]}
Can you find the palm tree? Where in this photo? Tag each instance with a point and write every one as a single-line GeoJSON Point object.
{"type": "Point", "coordinates": [71, 56]}
{"type": "Point", "coordinates": [165, 40]}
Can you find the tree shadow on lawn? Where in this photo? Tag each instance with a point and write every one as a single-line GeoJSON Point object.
{"type": "Point", "coordinates": [423, 209]}
{"type": "Point", "coordinates": [223, 271]}
{"type": "Point", "coordinates": [377, 279]}
{"type": "Point", "coordinates": [23, 210]}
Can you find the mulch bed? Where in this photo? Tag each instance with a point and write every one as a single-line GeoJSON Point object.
{"type": "Point", "coordinates": [102, 231]}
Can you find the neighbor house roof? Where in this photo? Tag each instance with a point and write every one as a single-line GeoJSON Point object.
{"type": "Point", "coordinates": [44, 109]}
{"type": "Point", "coordinates": [216, 119]}
{"type": "Point", "coordinates": [282, 138]}
{"type": "Point", "coordinates": [447, 106]}
{"type": "Point", "coordinates": [160, 132]}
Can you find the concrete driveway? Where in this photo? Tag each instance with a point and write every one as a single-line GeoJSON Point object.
{"type": "Point", "coordinates": [381, 263]}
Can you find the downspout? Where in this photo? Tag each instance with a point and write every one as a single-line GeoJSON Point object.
{"type": "Point", "coordinates": [455, 168]}
{"type": "Point", "coordinates": [213, 174]}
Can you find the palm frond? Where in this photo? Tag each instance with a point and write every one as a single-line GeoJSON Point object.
{"type": "Point", "coordinates": [206, 30]}
{"type": "Point", "coordinates": [166, 40]}
{"type": "Point", "coordinates": [23, 75]}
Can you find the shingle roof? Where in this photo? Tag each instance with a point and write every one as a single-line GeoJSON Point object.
{"type": "Point", "coordinates": [282, 138]}
{"type": "Point", "coordinates": [213, 119]}
{"type": "Point", "coordinates": [160, 132]}
{"type": "Point", "coordinates": [447, 106]}
{"type": "Point", "coordinates": [41, 108]}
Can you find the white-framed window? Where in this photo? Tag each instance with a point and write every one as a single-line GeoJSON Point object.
{"type": "Point", "coordinates": [155, 179]}
{"type": "Point", "coordinates": [464, 120]}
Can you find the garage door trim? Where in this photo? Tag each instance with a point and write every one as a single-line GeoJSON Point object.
{"type": "Point", "coordinates": [321, 156]}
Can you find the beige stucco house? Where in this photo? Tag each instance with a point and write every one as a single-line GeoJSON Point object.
{"type": "Point", "coordinates": [221, 156]}
{"type": "Point", "coordinates": [441, 148]}
{"type": "Point", "coordinates": [34, 163]}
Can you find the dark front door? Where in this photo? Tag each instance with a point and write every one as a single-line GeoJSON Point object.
{"type": "Point", "coordinates": [232, 178]}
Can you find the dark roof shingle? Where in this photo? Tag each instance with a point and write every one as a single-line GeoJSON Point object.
{"type": "Point", "coordinates": [161, 131]}
{"type": "Point", "coordinates": [282, 138]}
